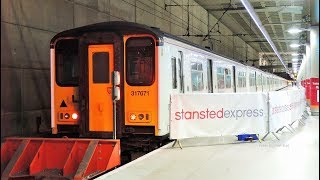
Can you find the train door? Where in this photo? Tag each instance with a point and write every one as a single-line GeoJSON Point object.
{"type": "Point", "coordinates": [209, 75]}
{"type": "Point", "coordinates": [262, 83]}
{"type": "Point", "coordinates": [181, 74]}
{"type": "Point", "coordinates": [100, 67]}
{"type": "Point", "coordinates": [176, 70]}
{"type": "Point", "coordinates": [174, 73]}
{"type": "Point", "coordinates": [234, 78]}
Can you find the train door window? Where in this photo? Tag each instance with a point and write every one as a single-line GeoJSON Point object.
{"type": "Point", "coordinates": [244, 79]}
{"type": "Point", "coordinates": [197, 76]}
{"type": "Point", "coordinates": [174, 72]}
{"type": "Point", "coordinates": [100, 64]}
{"type": "Point", "coordinates": [140, 61]}
{"type": "Point", "coordinates": [228, 77]}
{"type": "Point", "coordinates": [209, 72]}
{"type": "Point", "coordinates": [181, 76]}
{"type": "Point", "coordinates": [252, 79]}
{"type": "Point", "coordinates": [220, 77]}
{"type": "Point", "coordinates": [67, 62]}
{"type": "Point", "coordinates": [241, 79]}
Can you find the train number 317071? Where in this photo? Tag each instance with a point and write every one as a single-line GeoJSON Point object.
{"type": "Point", "coordinates": [139, 93]}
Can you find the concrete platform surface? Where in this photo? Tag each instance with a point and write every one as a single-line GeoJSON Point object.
{"type": "Point", "coordinates": [294, 157]}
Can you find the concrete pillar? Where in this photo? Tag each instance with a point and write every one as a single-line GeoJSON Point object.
{"type": "Point", "coordinates": [302, 71]}
{"type": "Point", "coordinates": [307, 73]}
{"type": "Point", "coordinates": [315, 12]}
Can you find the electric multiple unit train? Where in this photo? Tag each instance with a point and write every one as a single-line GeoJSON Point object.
{"type": "Point", "coordinates": [151, 65]}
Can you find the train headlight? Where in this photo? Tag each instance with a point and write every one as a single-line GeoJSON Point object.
{"type": "Point", "coordinates": [74, 116]}
{"type": "Point", "coordinates": [66, 115]}
{"type": "Point", "coordinates": [133, 117]}
{"type": "Point", "coordinates": [139, 117]}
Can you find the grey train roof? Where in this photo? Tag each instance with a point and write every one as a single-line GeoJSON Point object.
{"type": "Point", "coordinates": [123, 28]}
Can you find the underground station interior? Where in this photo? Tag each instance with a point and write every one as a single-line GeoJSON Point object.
{"type": "Point", "coordinates": [160, 89]}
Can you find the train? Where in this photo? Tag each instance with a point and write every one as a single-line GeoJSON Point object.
{"type": "Point", "coordinates": [114, 80]}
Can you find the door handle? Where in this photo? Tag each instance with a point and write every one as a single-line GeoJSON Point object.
{"type": "Point", "coordinates": [100, 107]}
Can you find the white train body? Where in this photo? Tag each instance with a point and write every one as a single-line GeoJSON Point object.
{"type": "Point", "coordinates": [184, 68]}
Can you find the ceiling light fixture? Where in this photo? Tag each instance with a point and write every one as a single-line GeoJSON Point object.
{"type": "Point", "coordinates": [296, 30]}
{"type": "Point", "coordinates": [294, 45]}
{"type": "Point", "coordinates": [257, 21]}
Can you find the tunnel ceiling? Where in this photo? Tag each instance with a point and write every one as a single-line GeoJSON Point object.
{"type": "Point", "coordinates": [276, 16]}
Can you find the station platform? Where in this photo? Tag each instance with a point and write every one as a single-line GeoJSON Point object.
{"type": "Point", "coordinates": [295, 156]}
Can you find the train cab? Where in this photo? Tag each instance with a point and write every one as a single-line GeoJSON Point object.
{"type": "Point", "coordinates": [83, 61]}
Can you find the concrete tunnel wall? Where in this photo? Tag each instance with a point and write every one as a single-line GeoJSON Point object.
{"type": "Point", "coordinates": [28, 26]}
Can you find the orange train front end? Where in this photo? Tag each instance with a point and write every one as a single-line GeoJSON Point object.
{"type": "Point", "coordinates": [82, 63]}
{"type": "Point", "coordinates": [140, 83]}
{"type": "Point", "coordinates": [64, 63]}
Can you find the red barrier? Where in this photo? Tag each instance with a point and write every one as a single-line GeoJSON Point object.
{"type": "Point", "coordinates": [314, 93]}
{"type": "Point", "coordinates": [7, 151]}
{"type": "Point", "coordinates": [57, 158]}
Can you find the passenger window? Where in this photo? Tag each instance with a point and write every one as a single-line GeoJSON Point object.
{"type": "Point", "coordinates": [220, 77]}
{"type": "Point", "coordinates": [197, 76]}
{"type": "Point", "coordinates": [140, 65]}
{"type": "Point", "coordinates": [228, 77]}
{"type": "Point", "coordinates": [259, 80]}
{"type": "Point", "coordinates": [174, 72]}
{"type": "Point", "coordinates": [100, 67]}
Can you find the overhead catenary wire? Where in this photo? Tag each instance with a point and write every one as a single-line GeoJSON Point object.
{"type": "Point", "coordinates": [163, 16]}
{"type": "Point", "coordinates": [194, 27]}
{"type": "Point", "coordinates": [156, 10]}
{"type": "Point", "coordinates": [217, 23]}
